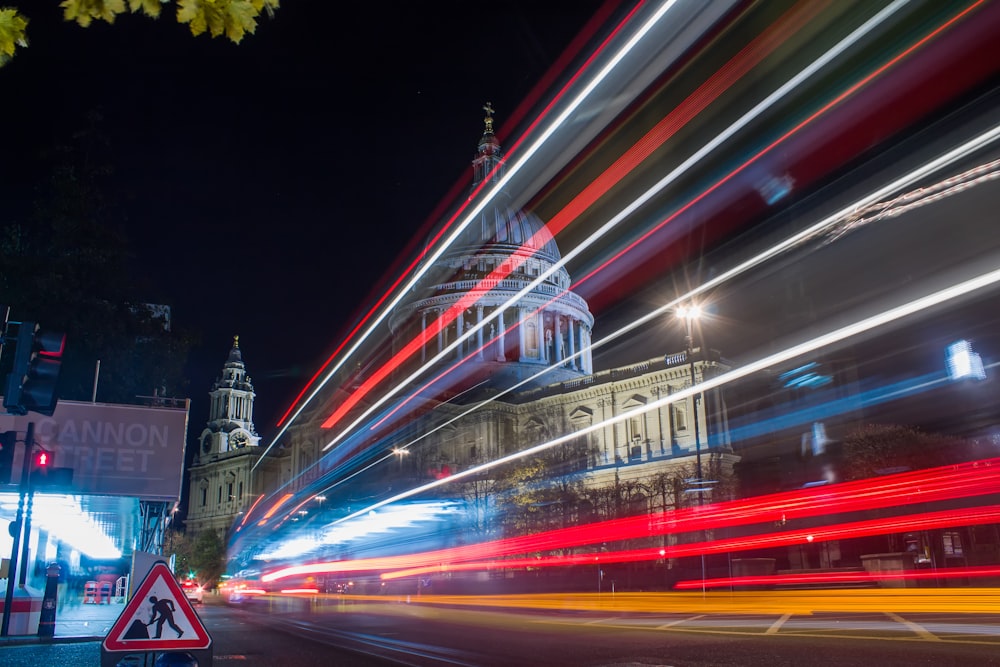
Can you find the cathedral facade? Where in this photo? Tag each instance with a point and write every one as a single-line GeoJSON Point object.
{"type": "Point", "coordinates": [526, 365]}
{"type": "Point", "coordinates": [221, 478]}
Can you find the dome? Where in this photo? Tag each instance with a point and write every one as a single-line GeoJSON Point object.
{"type": "Point", "coordinates": [502, 229]}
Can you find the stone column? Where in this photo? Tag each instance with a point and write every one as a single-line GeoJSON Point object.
{"type": "Point", "coordinates": [556, 325]}
{"type": "Point", "coordinates": [440, 334]}
{"type": "Point", "coordinates": [479, 333]}
{"type": "Point", "coordinates": [574, 363]}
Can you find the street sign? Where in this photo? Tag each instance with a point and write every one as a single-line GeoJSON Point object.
{"type": "Point", "coordinates": [159, 617]}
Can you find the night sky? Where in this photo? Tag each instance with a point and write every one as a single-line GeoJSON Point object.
{"type": "Point", "coordinates": [266, 187]}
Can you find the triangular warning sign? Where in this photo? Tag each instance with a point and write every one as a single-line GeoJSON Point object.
{"type": "Point", "coordinates": [159, 617]}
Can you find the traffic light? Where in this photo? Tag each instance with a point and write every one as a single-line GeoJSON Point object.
{"type": "Point", "coordinates": [42, 460]}
{"type": "Point", "coordinates": [31, 385]}
{"type": "Point", "coordinates": [44, 472]}
{"type": "Point", "coordinates": [8, 439]}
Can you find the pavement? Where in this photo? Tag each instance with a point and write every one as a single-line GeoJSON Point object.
{"type": "Point", "coordinates": [75, 622]}
{"type": "Point", "coordinates": [79, 630]}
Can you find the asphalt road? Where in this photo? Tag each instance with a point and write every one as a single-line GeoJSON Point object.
{"type": "Point", "coordinates": [351, 633]}
{"type": "Point", "coordinates": [434, 635]}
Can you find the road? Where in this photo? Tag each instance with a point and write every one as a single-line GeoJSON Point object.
{"type": "Point", "coordinates": [419, 634]}
{"type": "Point", "coordinates": [355, 632]}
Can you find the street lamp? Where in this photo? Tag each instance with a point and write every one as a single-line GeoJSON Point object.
{"type": "Point", "coordinates": [689, 314]}
{"type": "Point", "coordinates": [400, 453]}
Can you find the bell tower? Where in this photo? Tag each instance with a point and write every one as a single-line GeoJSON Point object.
{"type": "Point", "coordinates": [222, 484]}
{"type": "Point", "coordinates": [230, 418]}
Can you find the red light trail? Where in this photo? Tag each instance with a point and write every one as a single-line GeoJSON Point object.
{"type": "Point", "coordinates": [932, 485]}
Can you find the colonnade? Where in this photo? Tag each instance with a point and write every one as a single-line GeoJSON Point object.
{"type": "Point", "coordinates": [542, 336]}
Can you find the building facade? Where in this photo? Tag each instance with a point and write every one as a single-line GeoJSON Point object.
{"type": "Point", "coordinates": [221, 475]}
{"type": "Point", "coordinates": [531, 359]}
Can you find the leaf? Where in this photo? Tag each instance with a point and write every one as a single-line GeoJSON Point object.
{"type": "Point", "coordinates": [241, 18]}
{"type": "Point", "coordinates": [233, 18]}
{"type": "Point", "coordinates": [150, 8]}
{"type": "Point", "coordinates": [189, 11]}
{"type": "Point", "coordinates": [85, 11]}
{"type": "Point", "coordinates": [12, 33]}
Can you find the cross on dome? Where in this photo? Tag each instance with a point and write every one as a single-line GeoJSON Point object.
{"type": "Point", "coordinates": [488, 108]}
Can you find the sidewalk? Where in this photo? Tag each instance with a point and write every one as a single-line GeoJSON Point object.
{"type": "Point", "coordinates": [76, 622]}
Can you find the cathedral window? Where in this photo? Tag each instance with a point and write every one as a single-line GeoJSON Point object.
{"type": "Point", "coordinates": [531, 339]}
{"type": "Point", "coordinates": [680, 417]}
{"type": "Point", "coordinates": [204, 496]}
{"type": "Point", "coordinates": [635, 429]}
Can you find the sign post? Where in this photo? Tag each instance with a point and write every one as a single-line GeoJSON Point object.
{"type": "Point", "coordinates": [158, 618]}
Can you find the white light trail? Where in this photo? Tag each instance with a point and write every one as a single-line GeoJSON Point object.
{"type": "Point", "coordinates": [936, 298]}
{"type": "Point", "coordinates": [790, 85]}
{"type": "Point", "coordinates": [512, 170]}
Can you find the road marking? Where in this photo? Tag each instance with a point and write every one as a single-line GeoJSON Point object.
{"type": "Point", "coordinates": [920, 630]}
{"type": "Point", "coordinates": [773, 630]}
{"type": "Point", "coordinates": [679, 621]}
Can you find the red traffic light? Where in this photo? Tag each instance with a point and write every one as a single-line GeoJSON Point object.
{"type": "Point", "coordinates": [41, 459]}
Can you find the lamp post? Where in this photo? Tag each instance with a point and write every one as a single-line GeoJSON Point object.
{"type": "Point", "coordinates": [689, 314]}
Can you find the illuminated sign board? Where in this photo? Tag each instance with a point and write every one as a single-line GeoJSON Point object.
{"type": "Point", "coordinates": [114, 450]}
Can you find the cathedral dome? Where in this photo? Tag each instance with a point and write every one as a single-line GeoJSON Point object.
{"type": "Point", "coordinates": [502, 228]}
{"type": "Point", "coordinates": [496, 297]}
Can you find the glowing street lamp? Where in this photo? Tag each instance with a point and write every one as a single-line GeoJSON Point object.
{"type": "Point", "coordinates": [400, 453]}
{"type": "Point", "coordinates": [691, 313]}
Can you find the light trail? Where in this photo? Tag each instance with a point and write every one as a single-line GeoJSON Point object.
{"type": "Point", "coordinates": [708, 92]}
{"type": "Point", "coordinates": [904, 310]}
{"type": "Point", "coordinates": [981, 600]}
{"type": "Point", "coordinates": [814, 231]}
{"type": "Point", "coordinates": [872, 527]}
{"type": "Point", "coordinates": [964, 480]}
{"type": "Point", "coordinates": [812, 578]}
{"type": "Point", "coordinates": [452, 313]}
{"type": "Point", "coordinates": [636, 204]}
{"type": "Point", "coordinates": [831, 224]}
{"type": "Point", "coordinates": [514, 168]}
{"type": "Point", "coordinates": [950, 157]}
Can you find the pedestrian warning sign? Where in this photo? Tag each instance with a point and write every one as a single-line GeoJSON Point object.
{"type": "Point", "coordinates": [159, 617]}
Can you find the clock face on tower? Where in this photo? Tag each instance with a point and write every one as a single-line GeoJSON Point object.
{"type": "Point", "coordinates": [238, 439]}
{"type": "Point", "coordinates": [206, 443]}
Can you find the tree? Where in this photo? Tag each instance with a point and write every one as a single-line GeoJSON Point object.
{"type": "Point", "coordinates": [232, 18]}
{"type": "Point", "coordinates": [876, 449]}
{"type": "Point", "coordinates": [69, 267]}
{"type": "Point", "coordinates": [208, 558]}
{"type": "Point", "coordinates": [202, 558]}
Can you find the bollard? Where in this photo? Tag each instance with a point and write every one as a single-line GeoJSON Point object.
{"type": "Point", "coordinates": [175, 659]}
{"type": "Point", "coordinates": [47, 618]}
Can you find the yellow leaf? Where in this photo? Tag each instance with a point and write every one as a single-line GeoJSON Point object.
{"type": "Point", "coordinates": [232, 18]}
{"type": "Point", "coordinates": [150, 8]}
{"type": "Point", "coordinates": [85, 11]}
{"type": "Point", "coordinates": [241, 18]}
{"type": "Point", "coordinates": [192, 12]}
{"type": "Point", "coordinates": [12, 33]}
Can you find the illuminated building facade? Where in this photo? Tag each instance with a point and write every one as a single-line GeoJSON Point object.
{"type": "Point", "coordinates": [221, 485]}
{"type": "Point", "coordinates": [541, 344]}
